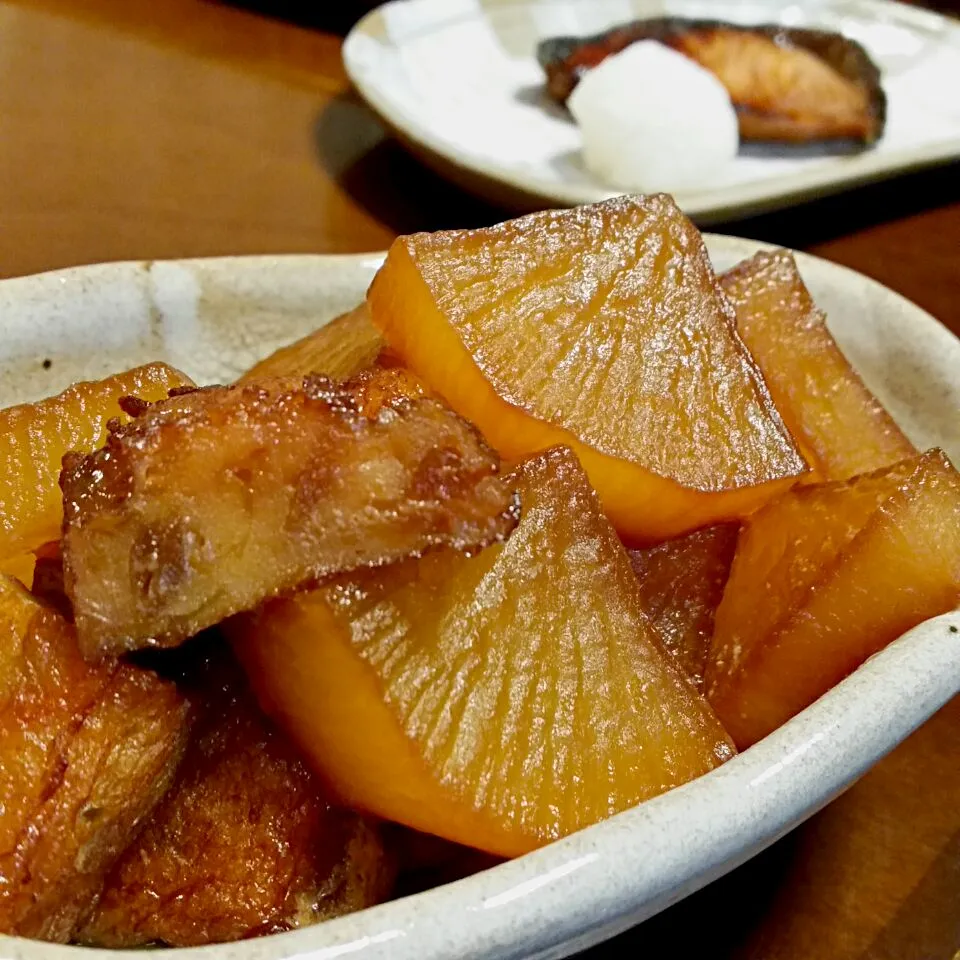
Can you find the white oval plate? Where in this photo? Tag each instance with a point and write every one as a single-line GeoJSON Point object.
{"type": "Point", "coordinates": [458, 81]}
{"type": "Point", "coordinates": [214, 318]}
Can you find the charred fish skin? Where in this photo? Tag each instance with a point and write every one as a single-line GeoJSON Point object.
{"type": "Point", "coordinates": [779, 118]}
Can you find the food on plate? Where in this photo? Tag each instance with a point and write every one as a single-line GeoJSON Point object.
{"type": "Point", "coordinates": [603, 329]}
{"type": "Point", "coordinates": [788, 84]}
{"type": "Point", "coordinates": [652, 119]}
{"type": "Point", "coordinates": [35, 436]}
{"type": "Point", "coordinates": [209, 502]}
{"type": "Point", "coordinates": [245, 842]}
{"type": "Point", "coordinates": [460, 658]}
{"type": "Point", "coordinates": [825, 576]}
{"type": "Point", "coordinates": [681, 584]}
{"type": "Point", "coordinates": [838, 423]}
{"type": "Point", "coordinates": [340, 350]}
{"type": "Point", "coordinates": [86, 753]}
{"type": "Point", "coordinates": [500, 700]}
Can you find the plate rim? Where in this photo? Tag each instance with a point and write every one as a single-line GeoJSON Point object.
{"type": "Point", "coordinates": [577, 888]}
{"type": "Point", "coordinates": [523, 191]}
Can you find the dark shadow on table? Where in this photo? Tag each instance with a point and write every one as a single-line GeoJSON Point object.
{"type": "Point", "coordinates": [715, 921]}
{"type": "Point", "coordinates": [330, 16]}
{"type": "Point", "coordinates": [338, 16]}
{"type": "Point", "coordinates": [353, 147]}
{"type": "Point", "coordinates": [821, 220]}
{"type": "Point", "coordinates": [355, 150]}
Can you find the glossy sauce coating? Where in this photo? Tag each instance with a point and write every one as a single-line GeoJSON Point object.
{"type": "Point", "coordinates": [838, 423]}
{"type": "Point", "coordinates": [245, 843]}
{"type": "Point", "coordinates": [212, 501]}
{"type": "Point", "coordinates": [608, 320]}
{"type": "Point", "coordinates": [603, 329]}
{"type": "Point", "coordinates": [681, 584]}
{"type": "Point", "coordinates": [500, 701]}
{"type": "Point", "coordinates": [826, 576]}
{"type": "Point", "coordinates": [86, 753]}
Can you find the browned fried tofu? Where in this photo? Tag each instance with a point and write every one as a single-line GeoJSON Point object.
{"type": "Point", "coordinates": [213, 500]}
{"type": "Point", "coordinates": [86, 754]}
{"type": "Point", "coordinates": [245, 843]}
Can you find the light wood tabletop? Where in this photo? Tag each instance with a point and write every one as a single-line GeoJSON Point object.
{"type": "Point", "coordinates": [177, 128]}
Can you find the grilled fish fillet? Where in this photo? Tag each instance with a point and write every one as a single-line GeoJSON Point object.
{"type": "Point", "coordinates": [787, 84]}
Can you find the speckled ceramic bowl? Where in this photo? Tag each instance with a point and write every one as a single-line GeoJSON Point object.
{"type": "Point", "coordinates": [214, 318]}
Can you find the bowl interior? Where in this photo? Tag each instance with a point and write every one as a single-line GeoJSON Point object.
{"type": "Point", "coordinates": [215, 318]}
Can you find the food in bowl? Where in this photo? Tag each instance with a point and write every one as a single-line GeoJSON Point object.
{"type": "Point", "coordinates": [603, 329]}
{"type": "Point", "coordinates": [681, 583]}
{"type": "Point", "coordinates": [840, 426]}
{"type": "Point", "coordinates": [518, 694]}
{"type": "Point", "coordinates": [202, 506]}
{"type": "Point", "coordinates": [246, 840]}
{"type": "Point", "coordinates": [455, 639]}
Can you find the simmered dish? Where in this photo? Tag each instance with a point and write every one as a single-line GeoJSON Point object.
{"type": "Point", "coordinates": [555, 521]}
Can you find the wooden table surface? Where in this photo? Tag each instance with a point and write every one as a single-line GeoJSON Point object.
{"type": "Point", "coordinates": [176, 128]}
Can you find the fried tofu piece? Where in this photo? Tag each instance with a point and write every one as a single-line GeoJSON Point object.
{"type": "Point", "coordinates": [245, 843]}
{"type": "Point", "coordinates": [86, 754]}
{"type": "Point", "coordinates": [211, 501]}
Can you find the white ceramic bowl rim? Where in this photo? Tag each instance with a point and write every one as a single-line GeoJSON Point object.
{"type": "Point", "coordinates": [616, 873]}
